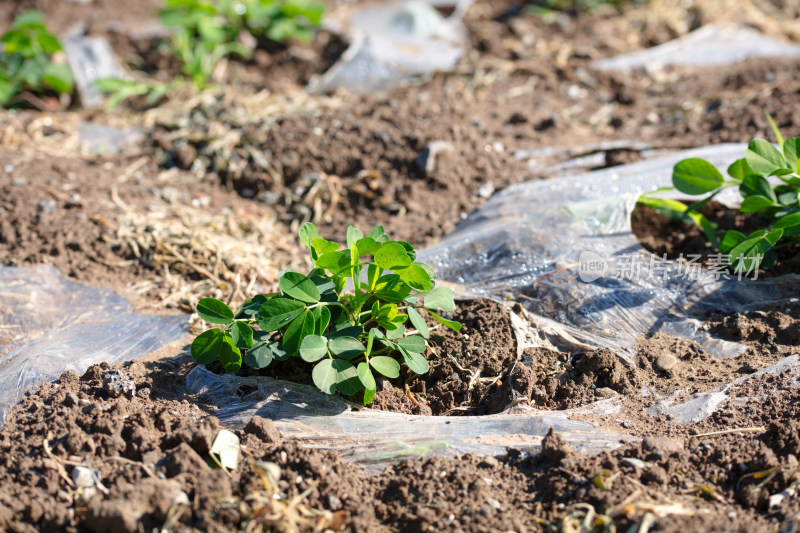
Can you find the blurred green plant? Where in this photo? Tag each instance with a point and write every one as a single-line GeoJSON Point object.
{"type": "Point", "coordinates": [26, 60]}
{"type": "Point", "coordinates": [206, 31]}
{"type": "Point", "coordinates": [778, 200]}
{"type": "Point", "coordinates": [547, 7]}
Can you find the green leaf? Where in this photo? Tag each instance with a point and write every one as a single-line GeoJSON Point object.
{"type": "Point", "coordinates": [252, 305]}
{"type": "Point", "coordinates": [763, 157]}
{"type": "Point", "coordinates": [417, 277]}
{"type": "Point", "coordinates": [353, 236]}
{"type": "Point", "coordinates": [371, 340]}
{"type": "Point", "coordinates": [345, 329]}
{"type": "Point", "coordinates": [278, 352]}
{"type": "Point", "coordinates": [392, 255]}
{"type": "Point", "coordinates": [366, 377]}
{"type": "Point", "coordinates": [300, 327]}
{"type": "Point", "coordinates": [346, 347]}
{"type": "Point", "coordinates": [441, 298]}
{"type": "Point", "coordinates": [308, 232]}
{"type": "Point", "coordinates": [347, 380]}
{"type": "Point", "coordinates": [418, 322]}
{"type": "Point", "coordinates": [323, 246]}
{"type": "Point", "coordinates": [278, 312]}
{"type": "Point", "coordinates": [696, 176]}
{"type": "Point", "coordinates": [324, 376]}
{"type": "Point", "coordinates": [413, 343]}
{"type": "Point", "coordinates": [242, 335]}
{"type": "Point", "coordinates": [313, 348]}
{"type": "Point", "coordinates": [409, 248]}
{"type": "Point", "coordinates": [748, 255]}
{"type": "Point", "coordinates": [322, 317]}
{"type": "Point", "coordinates": [367, 246]}
{"type": "Point", "coordinates": [791, 152]}
{"type": "Point", "coordinates": [259, 356]}
{"type": "Point", "coordinates": [396, 333]}
{"type": "Point", "coordinates": [333, 261]}
{"type": "Point", "coordinates": [415, 361]}
{"type": "Point", "coordinates": [386, 366]}
{"type": "Point", "coordinates": [739, 169]}
{"type": "Point", "coordinates": [790, 224]}
{"type": "Point", "coordinates": [452, 324]}
{"type": "Point", "coordinates": [775, 130]}
{"type": "Point", "coordinates": [378, 234]}
{"type": "Point", "coordinates": [230, 356]}
{"type": "Point", "coordinates": [755, 203]}
{"type": "Point", "coordinates": [757, 185]}
{"type": "Point", "coordinates": [58, 78]}
{"type": "Point", "coordinates": [731, 239]}
{"type": "Point", "coordinates": [214, 311]}
{"type": "Point", "coordinates": [206, 346]}
{"type": "Point", "coordinates": [788, 198]}
{"type": "Point", "coordinates": [299, 287]}
{"type": "Point", "coordinates": [369, 395]}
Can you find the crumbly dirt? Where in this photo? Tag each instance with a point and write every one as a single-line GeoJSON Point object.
{"type": "Point", "coordinates": [264, 156]}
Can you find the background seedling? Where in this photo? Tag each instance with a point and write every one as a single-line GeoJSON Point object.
{"type": "Point", "coordinates": [347, 336]}
{"type": "Point", "coordinates": [27, 62]}
{"type": "Point", "coordinates": [768, 181]}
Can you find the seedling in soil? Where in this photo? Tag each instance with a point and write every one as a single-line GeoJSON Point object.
{"type": "Point", "coordinates": [27, 65]}
{"type": "Point", "coordinates": [347, 336]}
{"type": "Point", "coordinates": [776, 199]}
{"type": "Point", "coordinates": [205, 31]}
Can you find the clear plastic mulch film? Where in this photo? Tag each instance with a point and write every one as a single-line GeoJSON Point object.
{"type": "Point", "coordinates": [50, 325]}
{"type": "Point", "coordinates": [555, 247]}
{"type": "Point", "coordinates": [391, 43]}
{"type": "Point", "coordinates": [564, 250]}
{"type": "Point", "coordinates": [707, 46]}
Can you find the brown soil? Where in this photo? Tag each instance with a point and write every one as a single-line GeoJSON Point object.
{"type": "Point", "coordinates": [283, 157]}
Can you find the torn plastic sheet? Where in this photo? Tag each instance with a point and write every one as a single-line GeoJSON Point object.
{"type": "Point", "coordinates": [90, 58]}
{"type": "Point", "coordinates": [706, 46]}
{"type": "Point", "coordinates": [392, 43]}
{"type": "Point", "coordinates": [374, 437]}
{"type": "Point", "coordinates": [703, 405]}
{"type": "Point", "coordinates": [564, 249]}
{"type": "Point", "coordinates": [49, 325]}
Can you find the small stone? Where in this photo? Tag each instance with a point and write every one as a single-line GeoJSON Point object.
{"type": "Point", "coordinates": [661, 447]}
{"type": "Point", "coordinates": [20, 182]}
{"type": "Point", "coordinates": [185, 154]}
{"type": "Point", "coordinates": [654, 474]}
{"type": "Point", "coordinates": [494, 503]}
{"type": "Point", "coordinates": [605, 392]}
{"type": "Point", "coordinates": [666, 362]}
{"type": "Point", "coordinates": [627, 424]}
{"type": "Point", "coordinates": [46, 207]}
{"type": "Point", "coordinates": [115, 383]}
{"type": "Point", "coordinates": [486, 190]}
{"type": "Point", "coordinates": [334, 503]}
{"type": "Point", "coordinates": [82, 477]}
{"type": "Point", "coordinates": [489, 462]}
{"type": "Point", "coordinates": [264, 429]}
{"type": "Point", "coordinates": [71, 399]}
